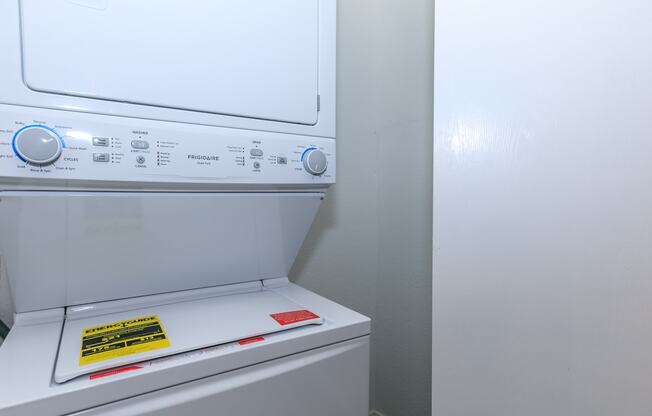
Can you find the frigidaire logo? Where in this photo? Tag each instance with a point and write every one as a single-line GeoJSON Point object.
{"type": "Point", "coordinates": [203, 157]}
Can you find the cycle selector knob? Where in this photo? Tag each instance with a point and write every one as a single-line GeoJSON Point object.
{"type": "Point", "coordinates": [315, 162]}
{"type": "Point", "coordinates": [37, 145]}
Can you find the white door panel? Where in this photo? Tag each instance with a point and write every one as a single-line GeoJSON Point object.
{"type": "Point", "coordinates": [542, 208]}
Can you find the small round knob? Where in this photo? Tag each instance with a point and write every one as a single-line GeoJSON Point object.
{"type": "Point", "coordinates": [314, 162]}
{"type": "Point", "coordinates": [37, 145]}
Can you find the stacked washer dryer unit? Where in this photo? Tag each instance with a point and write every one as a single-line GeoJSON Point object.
{"type": "Point", "coordinates": [160, 168]}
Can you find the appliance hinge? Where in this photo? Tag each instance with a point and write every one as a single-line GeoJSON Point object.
{"type": "Point", "coordinates": [318, 102]}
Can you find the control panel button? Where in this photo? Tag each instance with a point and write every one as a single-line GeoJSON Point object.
{"type": "Point", "coordinates": [37, 145]}
{"type": "Point", "coordinates": [256, 152]}
{"type": "Point", "coordinates": [100, 141]}
{"type": "Point", "coordinates": [140, 144]}
{"type": "Point", "coordinates": [140, 160]}
{"type": "Point", "coordinates": [281, 160]}
{"type": "Point", "coordinates": [101, 157]}
{"type": "Point", "coordinates": [315, 162]}
{"type": "Point", "coordinates": [256, 165]}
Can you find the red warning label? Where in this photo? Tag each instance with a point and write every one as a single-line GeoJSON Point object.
{"type": "Point", "coordinates": [251, 340]}
{"type": "Point", "coordinates": [114, 372]}
{"type": "Point", "coordinates": [292, 317]}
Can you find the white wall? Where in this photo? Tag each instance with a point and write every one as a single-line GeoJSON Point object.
{"type": "Point", "coordinates": [370, 248]}
{"type": "Point", "coordinates": [543, 208]}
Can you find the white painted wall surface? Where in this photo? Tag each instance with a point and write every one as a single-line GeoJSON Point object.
{"type": "Point", "coordinates": [543, 208]}
{"type": "Point", "coordinates": [370, 248]}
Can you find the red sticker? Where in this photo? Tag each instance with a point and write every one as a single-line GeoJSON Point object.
{"type": "Point", "coordinates": [251, 340]}
{"type": "Point", "coordinates": [114, 371]}
{"type": "Point", "coordinates": [287, 318]}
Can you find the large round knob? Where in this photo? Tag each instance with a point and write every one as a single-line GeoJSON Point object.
{"type": "Point", "coordinates": [314, 162]}
{"type": "Point", "coordinates": [37, 145]}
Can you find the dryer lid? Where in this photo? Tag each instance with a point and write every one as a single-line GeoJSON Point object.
{"type": "Point", "coordinates": [70, 248]}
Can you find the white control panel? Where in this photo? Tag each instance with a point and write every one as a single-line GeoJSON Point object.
{"type": "Point", "coordinates": [37, 143]}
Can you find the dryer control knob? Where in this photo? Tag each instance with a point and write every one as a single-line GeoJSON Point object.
{"type": "Point", "coordinates": [315, 162]}
{"type": "Point", "coordinates": [37, 145]}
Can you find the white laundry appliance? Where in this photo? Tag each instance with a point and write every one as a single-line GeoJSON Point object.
{"type": "Point", "coordinates": [161, 163]}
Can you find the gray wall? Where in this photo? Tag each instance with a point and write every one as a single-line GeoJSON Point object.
{"type": "Point", "coordinates": [370, 248]}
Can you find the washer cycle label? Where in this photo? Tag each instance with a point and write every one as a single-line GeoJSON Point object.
{"type": "Point", "coordinates": [117, 339]}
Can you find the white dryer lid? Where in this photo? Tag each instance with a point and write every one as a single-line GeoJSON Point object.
{"type": "Point", "coordinates": [102, 336]}
{"type": "Point", "coordinates": [101, 246]}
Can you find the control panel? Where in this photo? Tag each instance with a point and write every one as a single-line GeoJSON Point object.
{"type": "Point", "coordinates": [78, 146]}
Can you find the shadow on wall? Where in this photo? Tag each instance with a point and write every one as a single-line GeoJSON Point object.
{"type": "Point", "coordinates": [4, 330]}
{"type": "Point", "coordinates": [6, 304]}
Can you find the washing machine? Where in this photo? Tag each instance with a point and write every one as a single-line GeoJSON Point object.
{"type": "Point", "coordinates": [161, 164]}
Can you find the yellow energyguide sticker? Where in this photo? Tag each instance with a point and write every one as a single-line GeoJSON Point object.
{"type": "Point", "coordinates": [117, 339]}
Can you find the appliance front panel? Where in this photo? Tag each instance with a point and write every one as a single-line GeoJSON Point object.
{"type": "Point", "coordinates": [252, 58]}
{"type": "Point", "coordinates": [328, 381]}
{"type": "Point", "coordinates": [141, 152]}
{"type": "Point", "coordinates": [259, 65]}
